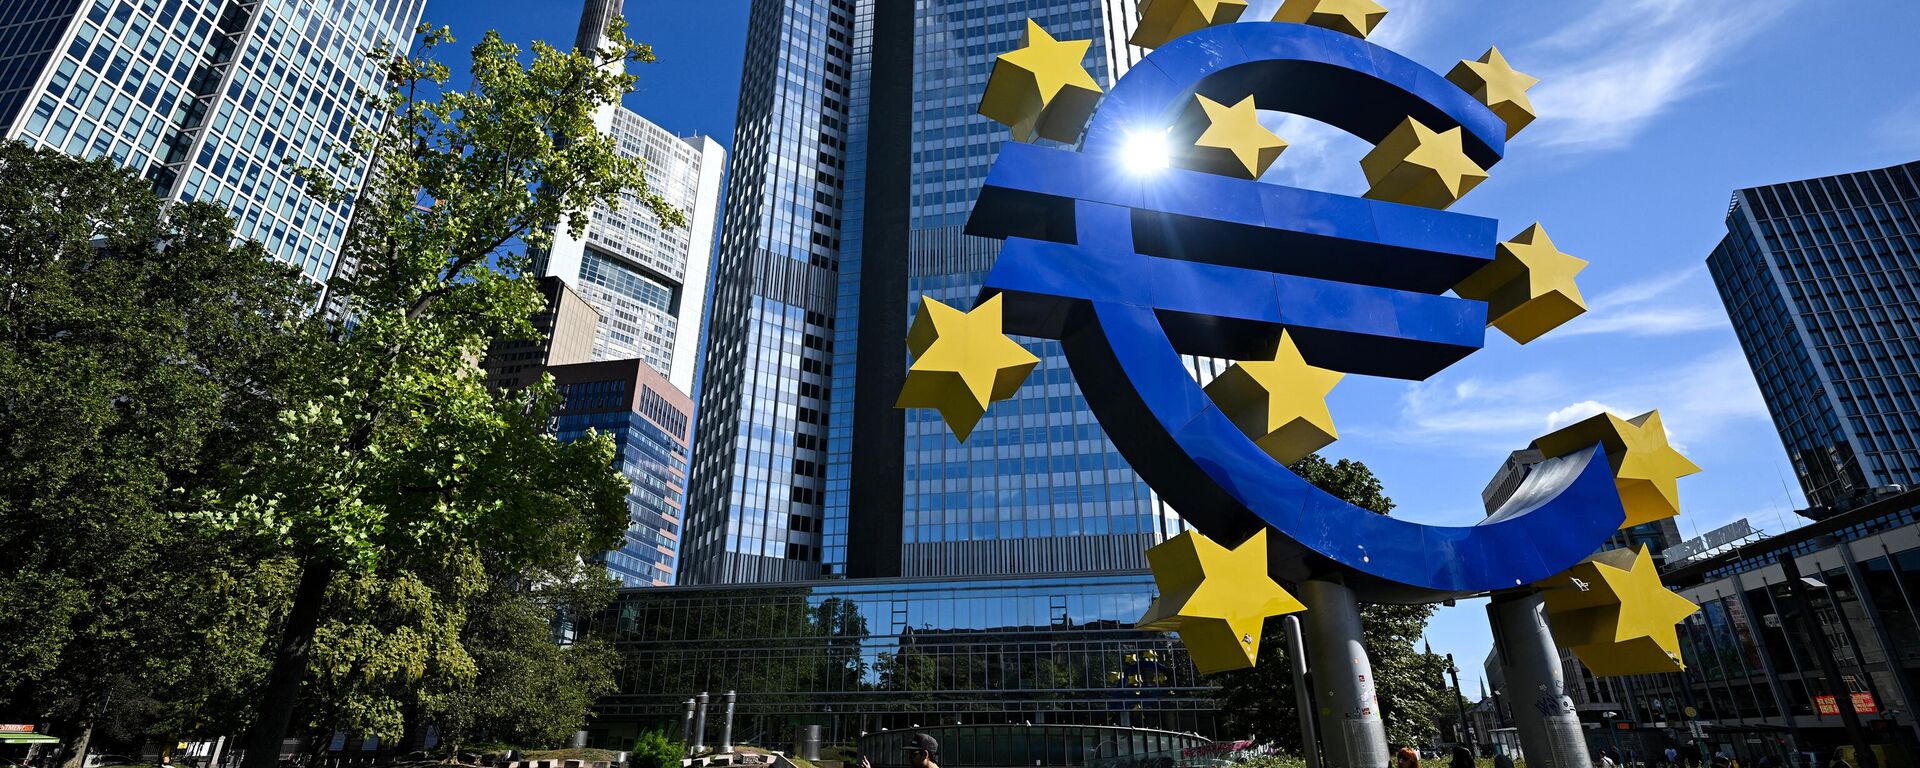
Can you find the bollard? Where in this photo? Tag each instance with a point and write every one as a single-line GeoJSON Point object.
{"type": "Point", "coordinates": [726, 728]}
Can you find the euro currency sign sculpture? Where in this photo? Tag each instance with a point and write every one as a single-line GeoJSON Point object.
{"type": "Point", "coordinates": [1131, 266]}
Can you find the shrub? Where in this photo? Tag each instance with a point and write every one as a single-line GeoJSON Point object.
{"type": "Point", "coordinates": [655, 750]}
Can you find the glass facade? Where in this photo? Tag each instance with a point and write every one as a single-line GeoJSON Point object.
{"type": "Point", "coordinates": [864, 655]}
{"type": "Point", "coordinates": [215, 100]}
{"type": "Point", "coordinates": [761, 446]}
{"type": "Point", "coordinates": [1046, 746]}
{"type": "Point", "coordinates": [648, 421]}
{"type": "Point", "coordinates": [1756, 683]}
{"type": "Point", "coordinates": [1039, 488]}
{"type": "Point", "coordinates": [1818, 277]}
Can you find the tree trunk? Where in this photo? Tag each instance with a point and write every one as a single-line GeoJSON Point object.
{"type": "Point", "coordinates": [77, 756]}
{"type": "Point", "coordinates": [289, 667]}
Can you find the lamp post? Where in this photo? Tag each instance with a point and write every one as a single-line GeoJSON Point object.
{"type": "Point", "coordinates": [1459, 704]}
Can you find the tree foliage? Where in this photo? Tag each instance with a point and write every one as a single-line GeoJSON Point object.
{"type": "Point", "coordinates": [142, 356]}
{"type": "Point", "coordinates": [1260, 701]}
{"type": "Point", "coordinates": [396, 476]}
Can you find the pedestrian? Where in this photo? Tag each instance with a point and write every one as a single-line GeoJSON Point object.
{"type": "Point", "coordinates": [1406, 758]}
{"type": "Point", "coordinates": [1673, 756]}
{"type": "Point", "coordinates": [1606, 761]}
{"type": "Point", "coordinates": [1839, 761]}
{"type": "Point", "coordinates": [1502, 761]}
{"type": "Point", "coordinates": [1462, 758]}
{"type": "Point", "coordinates": [921, 750]}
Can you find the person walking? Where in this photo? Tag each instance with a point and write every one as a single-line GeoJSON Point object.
{"type": "Point", "coordinates": [1407, 757]}
{"type": "Point", "coordinates": [921, 750]}
{"type": "Point", "coordinates": [1462, 758]}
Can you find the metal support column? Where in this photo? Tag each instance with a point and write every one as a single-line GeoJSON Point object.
{"type": "Point", "coordinates": [700, 722]}
{"type": "Point", "coordinates": [1816, 638]}
{"type": "Point", "coordinates": [1302, 695]}
{"type": "Point", "coordinates": [726, 728]}
{"type": "Point", "coordinates": [1549, 728]}
{"type": "Point", "coordinates": [686, 729]}
{"type": "Point", "coordinates": [1351, 732]}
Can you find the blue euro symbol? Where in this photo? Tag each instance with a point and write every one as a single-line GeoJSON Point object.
{"type": "Point", "coordinates": [1130, 271]}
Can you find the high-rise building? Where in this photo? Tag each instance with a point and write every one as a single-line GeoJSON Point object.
{"type": "Point", "coordinates": [857, 158]}
{"type": "Point", "coordinates": [214, 100]}
{"type": "Point", "coordinates": [647, 281]}
{"type": "Point", "coordinates": [650, 421]}
{"type": "Point", "coordinates": [1819, 277]}
{"type": "Point", "coordinates": [562, 335]}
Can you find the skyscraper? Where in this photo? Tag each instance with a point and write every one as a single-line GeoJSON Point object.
{"type": "Point", "coordinates": [1819, 277]}
{"type": "Point", "coordinates": [858, 156]}
{"type": "Point", "coordinates": [649, 422]}
{"type": "Point", "coordinates": [215, 101]}
{"type": "Point", "coordinates": [648, 282]}
{"type": "Point", "coordinates": [562, 335]}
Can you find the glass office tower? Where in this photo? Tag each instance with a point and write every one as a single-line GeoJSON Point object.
{"type": "Point", "coordinates": [648, 419]}
{"type": "Point", "coordinates": [760, 458]}
{"type": "Point", "coordinates": [215, 100]}
{"type": "Point", "coordinates": [857, 159]}
{"type": "Point", "coordinates": [1819, 278]}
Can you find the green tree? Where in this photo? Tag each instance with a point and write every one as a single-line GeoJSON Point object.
{"type": "Point", "coordinates": [527, 688]}
{"type": "Point", "coordinates": [142, 356]}
{"type": "Point", "coordinates": [394, 457]}
{"type": "Point", "coordinates": [1260, 701]}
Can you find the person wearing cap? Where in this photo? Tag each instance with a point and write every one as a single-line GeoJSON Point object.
{"type": "Point", "coordinates": [920, 752]}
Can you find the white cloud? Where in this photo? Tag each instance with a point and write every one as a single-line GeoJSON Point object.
{"type": "Point", "coordinates": [1627, 63]}
{"type": "Point", "coordinates": [1582, 410]}
{"type": "Point", "coordinates": [1901, 127]}
{"type": "Point", "coordinates": [1664, 305]}
{"type": "Point", "coordinates": [1492, 416]}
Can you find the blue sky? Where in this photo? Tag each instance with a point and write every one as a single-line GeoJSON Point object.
{"type": "Point", "coordinates": [1651, 113]}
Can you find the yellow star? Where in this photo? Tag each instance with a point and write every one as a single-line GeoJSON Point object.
{"type": "Point", "coordinates": [1215, 598]}
{"type": "Point", "coordinates": [1234, 143]}
{"type": "Point", "coordinates": [963, 363]}
{"type": "Point", "coordinates": [1353, 17]}
{"type": "Point", "coordinates": [1041, 88]}
{"type": "Point", "coordinates": [1280, 403]}
{"type": "Point", "coordinates": [1162, 21]}
{"type": "Point", "coordinates": [1614, 614]}
{"type": "Point", "coordinates": [1419, 166]}
{"type": "Point", "coordinates": [1529, 287]}
{"type": "Point", "coordinates": [1499, 86]}
{"type": "Point", "coordinates": [1646, 469]}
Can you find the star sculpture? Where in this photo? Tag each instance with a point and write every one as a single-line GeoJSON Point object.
{"type": "Point", "coordinates": [1041, 88]}
{"type": "Point", "coordinates": [1529, 287]}
{"type": "Point", "coordinates": [1614, 614]}
{"type": "Point", "coordinates": [1353, 17]}
{"type": "Point", "coordinates": [1417, 165]}
{"type": "Point", "coordinates": [1215, 597]}
{"type": "Point", "coordinates": [1499, 86]}
{"type": "Point", "coordinates": [1646, 468]}
{"type": "Point", "coordinates": [1280, 403]}
{"type": "Point", "coordinates": [962, 363]}
{"type": "Point", "coordinates": [1162, 21]}
{"type": "Point", "coordinates": [1234, 143]}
